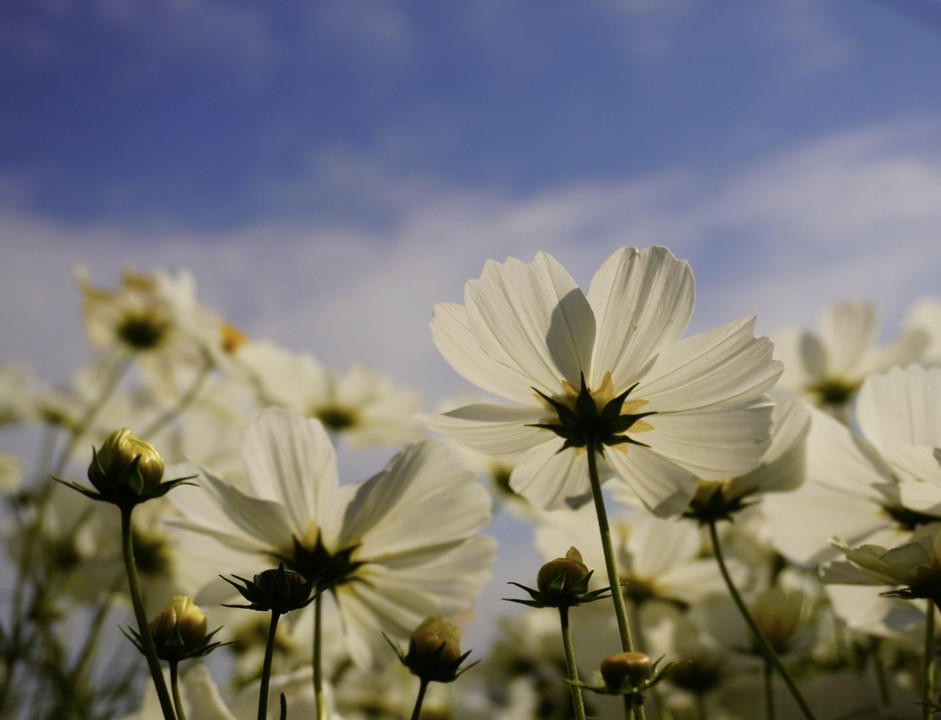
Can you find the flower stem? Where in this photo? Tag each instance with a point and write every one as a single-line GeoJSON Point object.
{"type": "Point", "coordinates": [318, 660]}
{"type": "Point", "coordinates": [768, 676]}
{"type": "Point", "coordinates": [578, 703]}
{"type": "Point", "coordinates": [766, 647]}
{"type": "Point", "coordinates": [879, 667]}
{"type": "Point", "coordinates": [184, 402]}
{"type": "Point", "coordinates": [423, 686]}
{"type": "Point", "coordinates": [266, 667]}
{"type": "Point", "coordinates": [614, 579]}
{"type": "Point", "coordinates": [175, 685]}
{"type": "Point", "coordinates": [928, 661]}
{"type": "Point", "coordinates": [137, 600]}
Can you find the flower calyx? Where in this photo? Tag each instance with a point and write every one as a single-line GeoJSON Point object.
{"type": "Point", "coordinates": [561, 583]}
{"type": "Point", "coordinates": [434, 651]}
{"type": "Point", "coordinates": [279, 591]}
{"type": "Point", "coordinates": [629, 674]}
{"type": "Point", "coordinates": [126, 471]}
{"type": "Point", "coordinates": [179, 632]}
{"type": "Point", "coordinates": [713, 503]}
{"type": "Point", "coordinates": [583, 425]}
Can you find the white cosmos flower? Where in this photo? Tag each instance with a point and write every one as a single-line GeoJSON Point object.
{"type": "Point", "coordinates": [398, 547]}
{"type": "Point", "coordinates": [828, 366]}
{"type": "Point", "coordinates": [925, 315]}
{"type": "Point", "coordinates": [363, 405]}
{"type": "Point", "coordinates": [526, 331]}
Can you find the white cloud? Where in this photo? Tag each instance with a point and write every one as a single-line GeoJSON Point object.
{"type": "Point", "coordinates": [855, 214]}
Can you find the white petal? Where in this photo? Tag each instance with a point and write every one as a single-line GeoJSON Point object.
{"type": "Point", "coordinates": [532, 318]}
{"type": "Point", "coordinates": [656, 545]}
{"type": "Point", "coordinates": [264, 520]}
{"type": "Point", "coordinates": [284, 377]}
{"type": "Point", "coordinates": [727, 364]}
{"type": "Point", "coordinates": [803, 358]}
{"type": "Point", "coordinates": [452, 335]}
{"type": "Point", "coordinates": [202, 697]}
{"type": "Point", "coordinates": [784, 464]}
{"type": "Point", "coordinates": [642, 301]}
{"type": "Point", "coordinates": [663, 487]}
{"type": "Point", "coordinates": [424, 497]}
{"type": "Point", "coordinates": [848, 330]}
{"type": "Point", "coordinates": [713, 444]}
{"type": "Point", "coordinates": [493, 429]}
{"type": "Point", "coordinates": [902, 351]}
{"type": "Point", "coordinates": [290, 460]}
{"type": "Point", "coordinates": [900, 413]}
{"type": "Point", "coordinates": [550, 479]}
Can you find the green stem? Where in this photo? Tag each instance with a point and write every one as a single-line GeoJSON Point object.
{"type": "Point", "coordinates": [766, 647]}
{"type": "Point", "coordinates": [927, 662]}
{"type": "Point", "coordinates": [319, 696]}
{"type": "Point", "coordinates": [578, 703]}
{"type": "Point", "coordinates": [768, 676]}
{"type": "Point", "coordinates": [184, 402]}
{"type": "Point", "coordinates": [881, 680]}
{"type": "Point", "coordinates": [614, 578]}
{"type": "Point", "coordinates": [175, 685]}
{"type": "Point", "coordinates": [416, 713]}
{"type": "Point", "coordinates": [137, 600]}
{"type": "Point", "coordinates": [266, 667]}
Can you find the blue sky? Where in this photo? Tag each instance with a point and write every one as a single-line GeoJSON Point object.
{"type": "Point", "coordinates": [330, 170]}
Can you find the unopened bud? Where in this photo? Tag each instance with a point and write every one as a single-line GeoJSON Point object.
{"type": "Point", "coordinates": [434, 650]}
{"type": "Point", "coordinates": [183, 616]}
{"type": "Point", "coordinates": [110, 470]}
{"type": "Point", "coordinates": [631, 668]}
{"type": "Point", "coordinates": [570, 568]}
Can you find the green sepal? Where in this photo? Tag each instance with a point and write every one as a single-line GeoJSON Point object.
{"type": "Point", "coordinates": [578, 594]}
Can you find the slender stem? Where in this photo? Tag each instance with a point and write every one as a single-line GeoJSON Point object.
{"type": "Point", "coordinates": [184, 402]}
{"type": "Point", "coordinates": [927, 662]}
{"type": "Point", "coordinates": [700, 706]}
{"type": "Point", "coordinates": [266, 667]}
{"type": "Point", "coordinates": [137, 600]}
{"type": "Point", "coordinates": [881, 680]}
{"type": "Point", "coordinates": [318, 661]}
{"type": "Point", "coordinates": [578, 703]}
{"type": "Point", "coordinates": [614, 580]}
{"type": "Point", "coordinates": [423, 686]}
{"type": "Point", "coordinates": [175, 685]}
{"type": "Point", "coordinates": [766, 647]}
{"type": "Point", "coordinates": [768, 676]}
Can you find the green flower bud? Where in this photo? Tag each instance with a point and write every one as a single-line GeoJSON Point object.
{"type": "Point", "coordinates": [632, 668]}
{"type": "Point", "coordinates": [181, 616]}
{"type": "Point", "coordinates": [111, 469]}
{"type": "Point", "coordinates": [434, 650]}
{"type": "Point", "coordinates": [570, 568]}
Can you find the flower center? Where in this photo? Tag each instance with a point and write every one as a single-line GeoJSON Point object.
{"type": "Point", "coordinates": [143, 332]}
{"type": "Point", "coordinates": [583, 424]}
{"type": "Point", "coordinates": [833, 391]}
{"type": "Point", "coordinates": [329, 569]}
{"type": "Point", "coordinates": [336, 418]}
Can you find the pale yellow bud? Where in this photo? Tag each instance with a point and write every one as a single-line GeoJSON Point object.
{"type": "Point", "coordinates": [182, 614]}
{"type": "Point", "coordinates": [633, 667]}
{"type": "Point", "coordinates": [570, 567]}
{"type": "Point", "coordinates": [116, 456]}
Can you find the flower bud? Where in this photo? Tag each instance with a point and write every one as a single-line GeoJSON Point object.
{"type": "Point", "coordinates": [183, 616]}
{"type": "Point", "coordinates": [434, 650]}
{"type": "Point", "coordinates": [570, 568]}
{"type": "Point", "coordinates": [110, 470]}
{"type": "Point", "coordinates": [631, 668]}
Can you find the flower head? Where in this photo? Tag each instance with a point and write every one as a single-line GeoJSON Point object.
{"type": "Point", "coordinates": [605, 371]}
{"type": "Point", "coordinates": [393, 549]}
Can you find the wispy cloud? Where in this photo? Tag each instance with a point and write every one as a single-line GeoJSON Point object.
{"type": "Point", "coordinates": [853, 214]}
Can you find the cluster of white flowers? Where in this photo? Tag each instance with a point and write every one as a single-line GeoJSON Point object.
{"type": "Point", "coordinates": [787, 477]}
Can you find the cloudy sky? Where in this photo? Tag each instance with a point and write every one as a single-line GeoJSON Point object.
{"type": "Point", "coordinates": [329, 170]}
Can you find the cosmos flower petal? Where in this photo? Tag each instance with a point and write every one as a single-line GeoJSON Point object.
{"type": "Point", "coordinates": [642, 301]}
{"type": "Point", "coordinates": [851, 327]}
{"type": "Point", "coordinates": [450, 330]}
{"type": "Point", "coordinates": [493, 429]}
{"type": "Point", "coordinates": [724, 365]}
{"type": "Point", "coordinates": [533, 318]}
{"type": "Point", "coordinates": [904, 350]}
{"type": "Point", "coordinates": [665, 488]}
{"type": "Point", "coordinates": [550, 479]}
{"type": "Point", "coordinates": [424, 497]}
{"type": "Point", "coordinates": [900, 413]}
{"type": "Point", "coordinates": [656, 545]}
{"type": "Point", "coordinates": [803, 356]}
{"type": "Point", "coordinates": [290, 461]}
{"type": "Point", "coordinates": [714, 444]}
{"type": "Point", "coordinates": [265, 520]}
